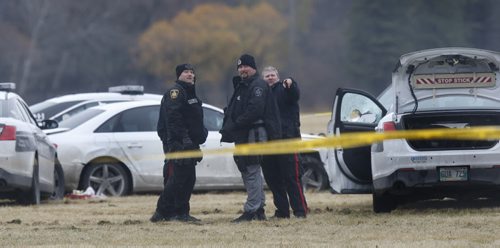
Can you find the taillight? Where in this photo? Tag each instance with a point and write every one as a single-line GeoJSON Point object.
{"type": "Point", "coordinates": [8, 133]}
{"type": "Point", "coordinates": [389, 126]}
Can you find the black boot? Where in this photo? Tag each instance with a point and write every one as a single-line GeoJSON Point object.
{"type": "Point", "coordinates": [260, 214]}
{"type": "Point", "coordinates": [186, 218]}
{"type": "Point", "coordinates": [246, 216]}
{"type": "Point", "coordinates": [157, 217]}
{"type": "Point", "coordinates": [280, 215]}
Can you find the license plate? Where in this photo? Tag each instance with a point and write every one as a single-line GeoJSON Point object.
{"type": "Point", "coordinates": [453, 174]}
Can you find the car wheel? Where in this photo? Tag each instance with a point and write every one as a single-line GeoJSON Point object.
{"type": "Point", "coordinates": [58, 192]}
{"type": "Point", "coordinates": [108, 179]}
{"type": "Point", "coordinates": [383, 203]}
{"type": "Point", "coordinates": [314, 177]}
{"type": "Point", "coordinates": [32, 197]}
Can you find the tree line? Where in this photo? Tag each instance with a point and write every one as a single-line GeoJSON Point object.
{"type": "Point", "coordinates": [56, 47]}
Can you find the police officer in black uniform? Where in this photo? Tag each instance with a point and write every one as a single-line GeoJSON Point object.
{"type": "Point", "coordinates": [283, 172]}
{"type": "Point", "coordinates": [251, 116]}
{"type": "Point", "coordinates": [180, 127]}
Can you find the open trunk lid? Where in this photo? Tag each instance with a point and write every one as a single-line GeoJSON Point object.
{"type": "Point", "coordinates": [447, 79]}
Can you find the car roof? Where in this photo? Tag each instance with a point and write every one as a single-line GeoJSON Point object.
{"type": "Point", "coordinates": [119, 106]}
{"type": "Point", "coordinates": [9, 95]}
{"type": "Point", "coordinates": [112, 109]}
{"type": "Point", "coordinates": [103, 96]}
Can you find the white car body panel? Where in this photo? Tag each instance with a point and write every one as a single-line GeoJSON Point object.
{"type": "Point", "coordinates": [18, 161]}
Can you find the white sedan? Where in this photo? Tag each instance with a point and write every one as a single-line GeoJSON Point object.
{"type": "Point", "coordinates": [29, 169]}
{"type": "Point", "coordinates": [115, 149]}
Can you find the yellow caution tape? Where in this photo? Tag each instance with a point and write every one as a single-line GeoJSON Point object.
{"type": "Point", "coordinates": [346, 140]}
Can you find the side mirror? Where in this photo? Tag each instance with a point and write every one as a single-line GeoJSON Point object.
{"type": "Point", "coordinates": [48, 124]}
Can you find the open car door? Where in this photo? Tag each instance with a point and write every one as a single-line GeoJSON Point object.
{"type": "Point", "coordinates": [350, 169]}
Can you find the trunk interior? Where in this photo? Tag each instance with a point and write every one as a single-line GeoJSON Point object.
{"type": "Point", "coordinates": [450, 120]}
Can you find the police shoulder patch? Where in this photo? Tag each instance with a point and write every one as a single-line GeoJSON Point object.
{"type": "Point", "coordinates": [174, 93]}
{"type": "Point", "coordinates": [257, 91]}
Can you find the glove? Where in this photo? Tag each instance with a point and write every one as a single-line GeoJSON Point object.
{"type": "Point", "coordinates": [227, 131]}
{"type": "Point", "coordinates": [198, 159]}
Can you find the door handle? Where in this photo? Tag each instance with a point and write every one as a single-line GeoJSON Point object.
{"type": "Point", "coordinates": [134, 145]}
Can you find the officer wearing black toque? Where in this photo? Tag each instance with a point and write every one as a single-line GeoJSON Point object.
{"type": "Point", "coordinates": [180, 127]}
{"type": "Point", "coordinates": [251, 116]}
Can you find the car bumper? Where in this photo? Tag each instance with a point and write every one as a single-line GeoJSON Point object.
{"type": "Point", "coordinates": [481, 182]}
{"type": "Point", "coordinates": [11, 182]}
{"type": "Point", "coordinates": [72, 173]}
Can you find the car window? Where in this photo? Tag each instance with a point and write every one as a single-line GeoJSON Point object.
{"type": "Point", "coordinates": [80, 118]}
{"type": "Point", "coordinates": [76, 111]}
{"type": "Point", "coordinates": [108, 126]}
{"type": "Point", "coordinates": [212, 119]}
{"type": "Point", "coordinates": [28, 114]}
{"type": "Point", "coordinates": [2, 106]}
{"type": "Point", "coordinates": [47, 109]}
{"type": "Point", "coordinates": [6, 106]}
{"type": "Point", "coordinates": [17, 112]}
{"type": "Point", "coordinates": [111, 101]}
{"type": "Point", "coordinates": [141, 119]}
{"type": "Point", "coordinates": [358, 108]}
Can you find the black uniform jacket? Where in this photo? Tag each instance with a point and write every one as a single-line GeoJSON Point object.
{"type": "Point", "coordinates": [180, 125]}
{"type": "Point", "coordinates": [288, 104]}
{"type": "Point", "coordinates": [252, 104]}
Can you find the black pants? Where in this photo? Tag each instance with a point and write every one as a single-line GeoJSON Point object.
{"type": "Point", "coordinates": [282, 174]}
{"type": "Point", "coordinates": [180, 177]}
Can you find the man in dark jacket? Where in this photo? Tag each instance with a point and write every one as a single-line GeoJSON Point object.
{"type": "Point", "coordinates": [282, 172]}
{"type": "Point", "coordinates": [180, 128]}
{"type": "Point", "coordinates": [250, 117]}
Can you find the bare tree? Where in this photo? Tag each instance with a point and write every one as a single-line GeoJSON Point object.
{"type": "Point", "coordinates": [38, 11]}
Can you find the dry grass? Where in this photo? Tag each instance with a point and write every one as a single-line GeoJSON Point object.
{"type": "Point", "coordinates": [314, 123]}
{"type": "Point", "coordinates": [335, 221]}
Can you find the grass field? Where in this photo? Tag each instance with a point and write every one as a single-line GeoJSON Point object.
{"type": "Point", "coordinates": [314, 123]}
{"type": "Point", "coordinates": [334, 221]}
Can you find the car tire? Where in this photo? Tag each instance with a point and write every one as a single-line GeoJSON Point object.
{"type": "Point", "coordinates": [108, 179]}
{"type": "Point", "coordinates": [314, 177]}
{"type": "Point", "coordinates": [32, 196]}
{"type": "Point", "coordinates": [58, 191]}
{"type": "Point", "coordinates": [383, 203]}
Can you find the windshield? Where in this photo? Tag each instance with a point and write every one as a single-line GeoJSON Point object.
{"type": "Point", "coordinates": [78, 119]}
{"type": "Point", "coordinates": [47, 109]}
{"type": "Point", "coordinates": [452, 102]}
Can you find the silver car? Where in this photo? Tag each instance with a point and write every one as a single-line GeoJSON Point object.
{"type": "Point", "coordinates": [445, 88]}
